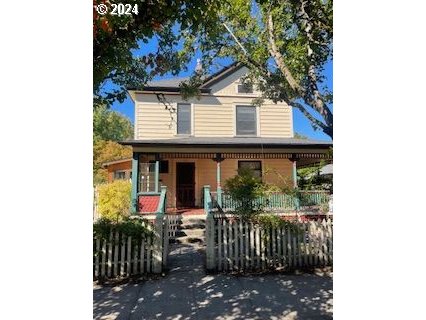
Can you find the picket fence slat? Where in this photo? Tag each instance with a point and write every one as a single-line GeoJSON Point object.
{"type": "Point", "coordinates": [118, 256]}
{"type": "Point", "coordinates": [246, 246]}
{"type": "Point", "coordinates": [97, 258]}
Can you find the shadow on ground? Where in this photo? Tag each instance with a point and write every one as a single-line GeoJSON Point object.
{"type": "Point", "coordinates": [188, 293]}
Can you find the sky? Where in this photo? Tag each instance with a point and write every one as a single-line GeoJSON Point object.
{"type": "Point", "coordinates": [301, 125]}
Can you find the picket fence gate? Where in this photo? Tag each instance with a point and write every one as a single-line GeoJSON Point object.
{"type": "Point", "coordinates": [234, 245]}
{"type": "Point", "coordinates": [119, 256]}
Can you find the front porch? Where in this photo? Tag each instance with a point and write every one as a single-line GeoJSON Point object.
{"type": "Point", "coordinates": [169, 175]}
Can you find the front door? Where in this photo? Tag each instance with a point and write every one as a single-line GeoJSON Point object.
{"type": "Point", "coordinates": [185, 184]}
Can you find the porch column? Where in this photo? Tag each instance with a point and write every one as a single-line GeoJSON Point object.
{"type": "Point", "coordinates": [135, 182]}
{"type": "Point", "coordinates": [157, 172]}
{"type": "Point", "coordinates": [294, 159]}
{"type": "Point", "coordinates": [218, 160]}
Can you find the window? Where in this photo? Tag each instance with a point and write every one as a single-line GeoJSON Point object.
{"type": "Point", "coordinates": [256, 166]}
{"type": "Point", "coordinates": [164, 165]}
{"type": "Point", "coordinates": [244, 88]}
{"type": "Point", "coordinates": [183, 119]}
{"type": "Point", "coordinates": [119, 175]}
{"type": "Point", "coordinates": [246, 121]}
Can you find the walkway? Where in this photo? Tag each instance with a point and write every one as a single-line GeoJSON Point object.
{"type": "Point", "coordinates": [188, 293]}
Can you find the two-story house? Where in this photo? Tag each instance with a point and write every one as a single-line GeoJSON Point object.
{"type": "Point", "coordinates": [203, 141]}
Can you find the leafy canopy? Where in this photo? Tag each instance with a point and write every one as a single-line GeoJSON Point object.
{"type": "Point", "coordinates": [110, 125]}
{"type": "Point", "coordinates": [115, 38]}
{"type": "Point", "coordinates": [284, 43]}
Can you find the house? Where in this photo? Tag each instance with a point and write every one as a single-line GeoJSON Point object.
{"type": "Point", "coordinates": [186, 145]}
{"type": "Point", "coordinates": [118, 169]}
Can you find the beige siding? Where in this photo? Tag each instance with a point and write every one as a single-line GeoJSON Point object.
{"type": "Point", "coordinates": [212, 115]}
{"type": "Point", "coordinates": [276, 121]}
{"type": "Point", "coordinates": [153, 121]}
{"type": "Point", "coordinates": [278, 172]}
{"type": "Point", "coordinates": [213, 120]}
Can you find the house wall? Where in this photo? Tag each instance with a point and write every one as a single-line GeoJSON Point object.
{"type": "Point", "coordinates": [212, 115]}
{"type": "Point", "coordinates": [274, 171]}
{"type": "Point", "coordinates": [126, 166]}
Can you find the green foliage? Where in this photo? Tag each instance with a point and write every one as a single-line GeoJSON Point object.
{"type": "Point", "coordinates": [244, 188]}
{"type": "Point", "coordinates": [110, 125]}
{"type": "Point", "coordinates": [114, 200]}
{"type": "Point", "coordinates": [300, 136]}
{"type": "Point", "coordinates": [286, 45]}
{"type": "Point", "coordinates": [116, 37]}
{"type": "Point", "coordinates": [310, 178]}
{"type": "Point", "coordinates": [129, 227]}
{"type": "Point", "coordinates": [272, 221]}
{"type": "Point", "coordinates": [106, 151]}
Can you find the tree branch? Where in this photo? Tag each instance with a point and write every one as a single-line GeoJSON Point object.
{"type": "Point", "coordinates": [310, 117]}
{"type": "Point", "coordinates": [279, 60]}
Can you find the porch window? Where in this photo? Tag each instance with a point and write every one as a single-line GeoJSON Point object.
{"type": "Point", "coordinates": [246, 121]}
{"type": "Point", "coordinates": [255, 166]}
{"type": "Point", "coordinates": [183, 118]}
{"type": "Point", "coordinates": [146, 177]}
{"type": "Point", "coordinates": [164, 165]}
{"type": "Point", "coordinates": [119, 175]}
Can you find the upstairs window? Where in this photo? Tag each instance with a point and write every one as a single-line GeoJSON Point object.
{"type": "Point", "coordinates": [183, 118]}
{"type": "Point", "coordinates": [244, 88]}
{"type": "Point", "coordinates": [246, 121]}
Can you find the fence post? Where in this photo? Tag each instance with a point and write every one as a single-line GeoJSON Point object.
{"type": "Point", "coordinates": [210, 261]}
{"type": "Point", "coordinates": [157, 263]}
{"type": "Point", "coordinates": [158, 245]}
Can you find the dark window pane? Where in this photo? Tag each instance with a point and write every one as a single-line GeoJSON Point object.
{"type": "Point", "coordinates": [245, 88]}
{"type": "Point", "coordinates": [184, 119]}
{"type": "Point", "coordinates": [255, 166]}
{"type": "Point", "coordinates": [118, 175]}
{"type": "Point", "coordinates": [246, 120]}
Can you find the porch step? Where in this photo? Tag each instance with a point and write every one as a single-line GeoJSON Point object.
{"type": "Point", "coordinates": [192, 229]}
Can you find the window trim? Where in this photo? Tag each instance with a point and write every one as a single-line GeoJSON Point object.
{"type": "Point", "coordinates": [191, 116]}
{"type": "Point", "coordinates": [257, 110]}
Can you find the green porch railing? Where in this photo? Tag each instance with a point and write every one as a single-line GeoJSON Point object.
{"type": "Point", "coordinates": [278, 201]}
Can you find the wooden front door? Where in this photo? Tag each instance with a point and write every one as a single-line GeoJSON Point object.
{"type": "Point", "coordinates": [185, 184]}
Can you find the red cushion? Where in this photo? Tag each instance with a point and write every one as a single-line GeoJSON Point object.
{"type": "Point", "coordinates": [148, 203]}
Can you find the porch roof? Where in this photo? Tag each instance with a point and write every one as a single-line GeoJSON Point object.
{"type": "Point", "coordinates": [232, 142]}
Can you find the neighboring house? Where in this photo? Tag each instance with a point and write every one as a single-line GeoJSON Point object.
{"type": "Point", "coordinates": [206, 140]}
{"type": "Point", "coordinates": [119, 169]}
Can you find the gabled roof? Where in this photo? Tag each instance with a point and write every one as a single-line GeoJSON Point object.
{"type": "Point", "coordinates": [106, 164]}
{"type": "Point", "coordinates": [172, 84]}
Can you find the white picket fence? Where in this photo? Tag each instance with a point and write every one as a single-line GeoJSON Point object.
{"type": "Point", "coordinates": [120, 257]}
{"type": "Point", "coordinates": [235, 245]}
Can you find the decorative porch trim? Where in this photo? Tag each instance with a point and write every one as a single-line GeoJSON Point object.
{"type": "Point", "coordinates": [259, 155]}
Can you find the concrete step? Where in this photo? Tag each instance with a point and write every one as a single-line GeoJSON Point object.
{"type": "Point", "coordinates": [188, 239]}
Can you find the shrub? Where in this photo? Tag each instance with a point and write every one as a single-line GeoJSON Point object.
{"type": "Point", "coordinates": [114, 200]}
{"type": "Point", "coordinates": [244, 188]}
{"type": "Point", "coordinates": [136, 228]}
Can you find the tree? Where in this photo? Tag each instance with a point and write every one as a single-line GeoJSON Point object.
{"type": "Point", "coordinates": [300, 136]}
{"type": "Point", "coordinates": [110, 125]}
{"type": "Point", "coordinates": [114, 200]}
{"type": "Point", "coordinates": [105, 151]}
{"type": "Point", "coordinates": [285, 44]}
{"type": "Point", "coordinates": [115, 37]}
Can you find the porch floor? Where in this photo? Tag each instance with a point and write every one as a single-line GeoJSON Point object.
{"type": "Point", "coordinates": [186, 211]}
